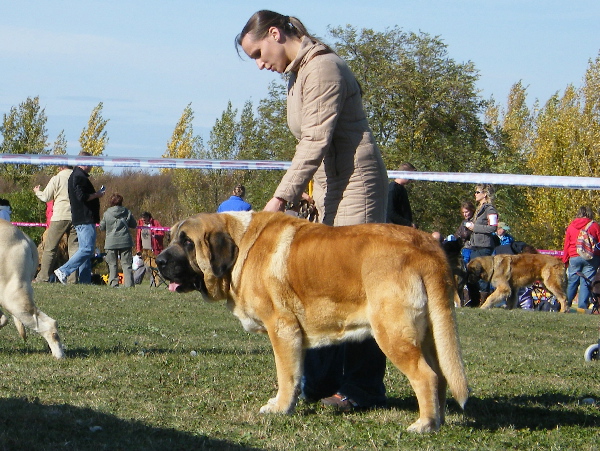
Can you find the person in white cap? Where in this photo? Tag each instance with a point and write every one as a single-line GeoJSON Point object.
{"type": "Point", "coordinates": [502, 232]}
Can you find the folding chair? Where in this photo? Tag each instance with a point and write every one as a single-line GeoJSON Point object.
{"type": "Point", "coordinates": [156, 280]}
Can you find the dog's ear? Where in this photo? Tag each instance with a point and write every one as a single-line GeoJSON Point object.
{"type": "Point", "coordinates": [223, 252]}
{"type": "Point", "coordinates": [481, 270]}
{"type": "Point", "coordinates": [174, 232]}
{"type": "Point", "coordinates": [476, 268]}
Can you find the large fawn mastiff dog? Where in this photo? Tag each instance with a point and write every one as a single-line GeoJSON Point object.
{"type": "Point", "coordinates": [508, 273]}
{"type": "Point", "coordinates": [18, 264]}
{"type": "Point", "coordinates": [309, 285]}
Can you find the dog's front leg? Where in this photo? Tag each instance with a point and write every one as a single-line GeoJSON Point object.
{"type": "Point", "coordinates": [501, 293]}
{"type": "Point", "coordinates": [286, 339]}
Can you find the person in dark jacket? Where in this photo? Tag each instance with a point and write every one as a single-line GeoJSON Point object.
{"type": "Point", "coordinates": [117, 220]}
{"type": "Point", "coordinates": [236, 202]}
{"type": "Point", "coordinates": [85, 214]}
{"type": "Point", "coordinates": [399, 211]}
{"type": "Point", "coordinates": [483, 239]}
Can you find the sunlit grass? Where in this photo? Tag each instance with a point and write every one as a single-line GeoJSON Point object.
{"type": "Point", "coordinates": [150, 369]}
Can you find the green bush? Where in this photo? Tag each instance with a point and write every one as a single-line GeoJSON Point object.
{"type": "Point", "coordinates": [26, 207]}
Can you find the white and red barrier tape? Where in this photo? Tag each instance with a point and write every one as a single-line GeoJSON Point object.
{"type": "Point", "coordinates": [549, 181]}
{"type": "Point", "coordinates": [181, 163]}
{"type": "Point", "coordinates": [42, 224]}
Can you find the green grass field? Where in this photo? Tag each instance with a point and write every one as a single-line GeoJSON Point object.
{"type": "Point", "coordinates": [152, 370]}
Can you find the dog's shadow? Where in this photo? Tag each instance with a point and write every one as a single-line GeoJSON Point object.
{"type": "Point", "coordinates": [491, 414]}
{"type": "Point", "coordinates": [96, 351]}
{"type": "Point", "coordinates": [69, 427]}
{"type": "Point", "coordinates": [542, 412]}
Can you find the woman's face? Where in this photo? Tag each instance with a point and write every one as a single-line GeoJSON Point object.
{"type": "Point", "coordinates": [479, 195]}
{"type": "Point", "coordinates": [467, 214]}
{"type": "Point", "coordinates": [269, 52]}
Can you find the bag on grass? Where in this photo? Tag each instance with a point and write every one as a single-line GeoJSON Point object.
{"type": "Point", "coordinates": [585, 243]}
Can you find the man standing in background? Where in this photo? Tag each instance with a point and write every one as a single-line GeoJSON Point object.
{"type": "Point", "coordinates": [57, 190]}
{"type": "Point", "coordinates": [399, 211]}
{"type": "Point", "coordinates": [85, 214]}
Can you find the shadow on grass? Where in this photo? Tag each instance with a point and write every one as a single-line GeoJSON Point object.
{"type": "Point", "coordinates": [117, 349]}
{"type": "Point", "coordinates": [95, 351]}
{"type": "Point", "coordinates": [29, 425]}
{"type": "Point", "coordinates": [543, 412]}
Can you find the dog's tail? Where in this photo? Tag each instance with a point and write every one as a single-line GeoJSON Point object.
{"type": "Point", "coordinates": [445, 335]}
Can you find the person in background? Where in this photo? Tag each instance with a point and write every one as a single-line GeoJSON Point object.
{"type": "Point", "coordinates": [5, 210]}
{"type": "Point", "coordinates": [461, 241]}
{"type": "Point", "coordinates": [503, 235]}
{"type": "Point", "coordinates": [60, 222]}
{"type": "Point", "coordinates": [467, 210]}
{"type": "Point", "coordinates": [117, 220]}
{"type": "Point", "coordinates": [577, 264]}
{"type": "Point", "coordinates": [236, 202]}
{"type": "Point", "coordinates": [398, 210]}
{"type": "Point", "coordinates": [337, 150]}
{"type": "Point", "coordinates": [149, 239]}
{"type": "Point", "coordinates": [483, 226]}
{"type": "Point", "coordinates": [85, 214]}
{"type": "Point", "coordinates": [139, 268]}
{"type": "Point", "coordinates": [50, 211]}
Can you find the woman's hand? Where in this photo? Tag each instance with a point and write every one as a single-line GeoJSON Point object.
{"type": "Point", "coordinates": [469, 225]}
{"type": "Point", "coordinates": [276, 204]}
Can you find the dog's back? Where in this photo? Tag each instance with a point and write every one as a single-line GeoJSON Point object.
{"type": "Point", "coordinates": [507, 273]}
{"type": "Point", "coordinates": [526, 269]}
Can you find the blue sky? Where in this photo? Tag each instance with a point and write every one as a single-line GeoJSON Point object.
{"type": "Point", "coordinates": [146, 60]}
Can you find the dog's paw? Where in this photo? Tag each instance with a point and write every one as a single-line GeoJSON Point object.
{"type": "Point", "coordinates": [3, 320]}
{"type": "Point", "coordinates": [267, 408]}
{"type": "Point", "coordinates": [422, 426]}
{"type": "Point", "coordinates": [273, 407]}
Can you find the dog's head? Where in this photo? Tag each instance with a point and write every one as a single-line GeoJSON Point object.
{"type": "Point", "coordinates": [479, 268]}
{"type": "Point", "coordinates": [200, 256]}
{"type": "Point", "coordinates": [452, 249]}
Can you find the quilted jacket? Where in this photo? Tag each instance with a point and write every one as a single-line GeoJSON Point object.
{"type": "Point", "coordinates": [335, 144]}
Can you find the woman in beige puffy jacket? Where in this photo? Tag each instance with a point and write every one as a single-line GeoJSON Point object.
{"type": "Point", "coordinates": [337, 149]}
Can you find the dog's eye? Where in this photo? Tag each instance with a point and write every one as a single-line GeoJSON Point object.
{"type": "Point", "coordinates": [187, 243]}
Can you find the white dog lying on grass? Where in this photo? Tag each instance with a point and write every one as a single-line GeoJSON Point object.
{"type": "Point", "coordinates": [18, 264]}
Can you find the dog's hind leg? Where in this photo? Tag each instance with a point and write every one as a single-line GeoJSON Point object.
{"type": "Point", "coordinates": [513, 299]}
{"type": "Point", "coordinates": [3, 320]}
{"type": "Point", "coordinates": [430, 354]}
{"type": "Point", "coordinates": [286, 339]}
{"type": "Point", "coordinates": [28, 315]}
{"type": "Point", "coordinates": [555, 283]}
{"type": "Point", "coordinates": [399, 334]}
{"type": "Point", "coordinates": [20, 328]}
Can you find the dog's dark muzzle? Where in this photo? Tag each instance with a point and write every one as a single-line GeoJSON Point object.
{"type": "Point", "coordinates": [174, 266]}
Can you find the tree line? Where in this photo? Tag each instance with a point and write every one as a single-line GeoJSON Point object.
{"type": "Point", "coordinates": [423, 107]}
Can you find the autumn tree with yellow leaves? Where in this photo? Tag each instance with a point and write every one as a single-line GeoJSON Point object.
{"type": "Point", "coordinates": [184, 144]}
{"type": "Point", "coordinates": [567, 143]}
{"type": "Point", "coordinates": [94, 137]}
